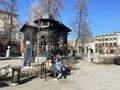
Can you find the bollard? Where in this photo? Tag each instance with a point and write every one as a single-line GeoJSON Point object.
{"type": "Point", "coordinates": [15, 75]}
{"type": "Point", "coordinates": [8, 53]}
{"type": "Point", "coordinates": [89, 55]}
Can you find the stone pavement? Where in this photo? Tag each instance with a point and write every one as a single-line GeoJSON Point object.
{"type": "Point", "coordinates": [87, 76]}
{"type": "Point", "coordinates": [13, 61]}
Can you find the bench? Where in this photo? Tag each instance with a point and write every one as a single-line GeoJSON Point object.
{"type": "Point", "coordinates": [44, 71]}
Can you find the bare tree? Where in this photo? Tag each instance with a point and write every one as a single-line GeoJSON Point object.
{"type": "Point", "coordinates": [8, 5]}
{"type": "Point", "coordinates": [41, 7]}
{"type": "Point", "coordinates": [80, 23]}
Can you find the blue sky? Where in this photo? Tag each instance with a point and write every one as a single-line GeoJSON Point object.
{"type": "Point", "coordinates": [104, 15]}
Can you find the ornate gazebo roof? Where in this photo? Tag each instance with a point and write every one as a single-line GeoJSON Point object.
{"type": "Point", "coordinates": [28, 26]}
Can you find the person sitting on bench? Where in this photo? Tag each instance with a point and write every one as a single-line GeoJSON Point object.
{"type": "Point", "coordinates": [50, 67]}
{"type": "Point", "coordinates": [58, 66]}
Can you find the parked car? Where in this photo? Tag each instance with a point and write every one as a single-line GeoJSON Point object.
{"type": "Point", "coordinates": [117, 60]}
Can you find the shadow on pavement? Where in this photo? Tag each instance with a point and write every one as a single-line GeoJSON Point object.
{"type": "Point", "coordinates": [3, 84]}
{"type": "Point", "coordinates": [23, 81]}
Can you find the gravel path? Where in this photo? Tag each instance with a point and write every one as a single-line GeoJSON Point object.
{"type": "Point", "coordinates": [87, 76]}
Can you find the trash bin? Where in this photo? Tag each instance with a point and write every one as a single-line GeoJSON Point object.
{"type": "Point", "coordinates": [15, 75]}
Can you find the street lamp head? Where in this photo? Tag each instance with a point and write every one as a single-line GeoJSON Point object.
{"type": "Point", "coordinates": [28, 43]}
{"type": "Point", "coordinates": [8, 47]}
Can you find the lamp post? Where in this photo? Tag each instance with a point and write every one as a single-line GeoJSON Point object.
{"type": "Point", "coordinates": [89, 54]}
{"type": "Point", "coordinates": [10, 23]}
{"type": "Point", "coordinates": [9, 42]}
{"type": "Point", "coordinates": [8, 53]}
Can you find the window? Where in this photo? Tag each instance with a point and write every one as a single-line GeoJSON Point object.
{"type": "Point", "coordinates": [110, 38]}
{"type": "Point", "coordinates": [106, 44]}
{"type": "Point", "coordinates": [45, 23]}
{"type": "Point", "coordinates": [114, 38]}
{"type": "Point", "coordinates": [106, 39]}
{"type": "Point", "coordinates": [115, 44]}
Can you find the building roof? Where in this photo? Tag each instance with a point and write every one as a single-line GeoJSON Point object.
{"type": "Point", "coordinates": [8, 13]}
{"type": "Point", "coordinates": [113, 33]}
{"type": "Point", "coordinates": [57, 28]}
{"type": "Point", "coordinates": [46, 20]}
{"type": "Point", "coordinates": [54, 24]}
{"type": "Point", "coordinates": [57, 25]}
{"type": "Point", "coordinates": [60, 27]}
{"type": "Point", "coordinates": [29, 26]}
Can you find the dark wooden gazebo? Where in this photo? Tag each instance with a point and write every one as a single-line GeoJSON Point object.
{"type": "Point", "coordinates": [52, 36]}
{"type": "Point", "coordinates": [48, 37]}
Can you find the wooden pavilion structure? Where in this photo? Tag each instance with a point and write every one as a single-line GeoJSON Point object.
{"type": "Point", "coordinates": [48, 37]}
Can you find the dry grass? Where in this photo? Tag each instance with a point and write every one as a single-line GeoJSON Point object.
{"type": "Point", "coordinates": [69, 63]}
{"type": "Point", "coordinates": [106, 59]}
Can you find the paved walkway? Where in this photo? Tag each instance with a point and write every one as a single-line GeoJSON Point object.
{"type": "Point", "coordinates": [87, 76]}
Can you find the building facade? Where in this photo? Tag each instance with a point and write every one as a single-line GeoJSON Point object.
{"type": "Point", "coordinates": [107, 43]}
{"type": "Point", "coordinates": [9, 34]}
{"type": "Point", "coordinates": [6, 25]}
